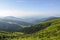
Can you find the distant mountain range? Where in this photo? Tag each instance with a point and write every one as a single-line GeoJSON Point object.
{"type": "Point", "coordinates": [48, 29]}
{"type": "Point", "coordinates": [35, 20]}
{"type": "Point", "coordinates": [11, 23]}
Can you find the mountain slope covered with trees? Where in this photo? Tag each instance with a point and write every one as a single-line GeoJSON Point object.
{"type": "Point", "coordinates": [46, 30]}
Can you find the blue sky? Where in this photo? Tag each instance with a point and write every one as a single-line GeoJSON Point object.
{"type": "Point", "coordinates": [29, 8]}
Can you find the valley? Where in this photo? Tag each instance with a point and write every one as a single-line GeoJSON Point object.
{"type": "Point", "coordinates": [48, 29]}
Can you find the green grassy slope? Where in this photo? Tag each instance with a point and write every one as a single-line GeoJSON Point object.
{"type": "Point", "coordinates": [50, 31]}
{"type": "Point", "coordinates": [9, 35]}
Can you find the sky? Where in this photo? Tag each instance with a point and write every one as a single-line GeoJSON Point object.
{"type": "Point", "coordinates": [20, 8]}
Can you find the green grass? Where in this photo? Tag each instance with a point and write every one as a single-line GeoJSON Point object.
{"type": "Point", "coordinates": [51, 31]}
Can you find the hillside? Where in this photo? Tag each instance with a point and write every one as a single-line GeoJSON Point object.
{"type": "Point", "coordinates": [10, 27]}
{"type": "Point", "coordinates": [46, 30]}
{"type": "Point", "coordinates": [16, 20]}
{"type": "Point", "coordinates": [52, 32]}
{"type": "Point", "coordinates": [12, 24]}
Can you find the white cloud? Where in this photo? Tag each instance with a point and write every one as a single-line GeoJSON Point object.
{"type": "Point", "coordinates": [27, 13]}
{"type": "Point", "coordinates": [19, 1]}
{"type": "Point", "coordinates": [16, 13]}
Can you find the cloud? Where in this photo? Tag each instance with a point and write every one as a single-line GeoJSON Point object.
{"type": "Point", "coordinates": [20, 1]}
{"type": "Point", "coordinates": [17, 13]}
{"type": "Point", "coordinates": [28, 13]}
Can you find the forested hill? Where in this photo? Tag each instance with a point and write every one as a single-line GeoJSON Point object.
{"type": "Point", "coordinates": [42, 25]}
{"type": "Point", "coordinates": [50, 30]}
{"type": "Point", "coordinates": [46, 30]}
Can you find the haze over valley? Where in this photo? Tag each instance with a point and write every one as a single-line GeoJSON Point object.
{"type": "Point", "coordinates": [29, 19]}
